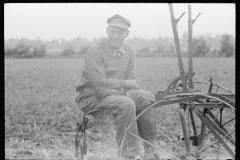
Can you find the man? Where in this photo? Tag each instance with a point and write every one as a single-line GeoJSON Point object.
{"type": "Point", "coordinates": [108, 81]}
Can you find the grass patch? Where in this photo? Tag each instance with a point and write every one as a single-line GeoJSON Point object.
{"type": "Point", "coordinates": [40, 108]}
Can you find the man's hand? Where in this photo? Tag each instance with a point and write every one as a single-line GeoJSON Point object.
{"type": "Point", "coordinates": [132, 84]}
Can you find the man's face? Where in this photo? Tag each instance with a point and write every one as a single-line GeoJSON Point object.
{"type": "Point", "coordinates": [116, 36]}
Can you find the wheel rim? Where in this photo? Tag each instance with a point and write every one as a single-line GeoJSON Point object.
{"type": "Point", "coordinates": [173, 146]}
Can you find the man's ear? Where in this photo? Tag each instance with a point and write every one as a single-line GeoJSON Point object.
{"type": "Point", "coordinates": [127, 34]}
{"type": "Point", "coordinates": [107, 30]}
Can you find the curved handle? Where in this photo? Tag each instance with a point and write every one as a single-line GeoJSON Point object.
{"type": "Point", "coordinates": [196, 17]}
{"type": "Point", "coordinates": [180, 17]}
{"type": "Point", "coordinates": [172, 14]}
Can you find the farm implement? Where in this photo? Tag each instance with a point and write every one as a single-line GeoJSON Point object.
{"type": "Point", "coordinates": [193, 124]}
{"type": "Point", "coordinates": [196, 119]}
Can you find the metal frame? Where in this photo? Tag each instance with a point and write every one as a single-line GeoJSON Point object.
{"type": "Point", "coordinates": [191, 101]}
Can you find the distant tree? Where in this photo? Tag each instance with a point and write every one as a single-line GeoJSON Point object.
{"type": "Point", "coordinates": [184, 40]}
{"type": "Point", "coordinates": [160, 48]}
{"type": "Point", "coordinates": [39, 52]}
{"type": "Point", "coordinates": [209, 38]}
{"type": "Point", "coordinates": [227, 46]}
{"type": "Point", "coordinates": [63, 42]}
{"type": "Point", "coordinates": [68, 51]}
{"type": "Point", "coordinates": [25, 51]}
{"type": "Point", "coordinates": [170, 49]}
{"type": "Point", "coordinates": [22, 50]}
{"type": "Point", "coordinates": [54, 43]}
{"type": "Point", "coordinates": [216, 41]}
{"type": "Point", "coordinates": [144, 50]}
{"type": "Point", "coordinates": [10, 53]}
{"type": "Point", "coordinates": [199, 47]}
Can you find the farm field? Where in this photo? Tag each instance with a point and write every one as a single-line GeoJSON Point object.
{"type": "Point", "coordinates": [40, 108]}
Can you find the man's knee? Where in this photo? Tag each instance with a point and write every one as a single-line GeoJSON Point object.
{"type": "Point", "coordinates": [145, 97]}
{"type": "Point", "coordinates": [128, 104]}
{"type": "Point", "coordinates": [127, 109]}
{"type": "Point", "coordinates": [147, 94]}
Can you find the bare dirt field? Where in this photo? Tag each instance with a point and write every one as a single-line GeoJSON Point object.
{"type": "Point", "coordinates": [40, 108]}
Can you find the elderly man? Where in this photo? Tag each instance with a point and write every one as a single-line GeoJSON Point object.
{"type": "Point", "coordinates": [108, 81]}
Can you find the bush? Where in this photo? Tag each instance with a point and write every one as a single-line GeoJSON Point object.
{"type": "Point", "coordinates": [160, 48]}
{"type": "Point", "coordinates": [11, 52]}
{"type": "Point", "coordinates": [227, 46]}
{"type": "Point", "coordinates": [25, 51]}
{"type": "Point", "coordinates": [36, 52]}
{"type": "Point", "coordinates": [144, 50]}
{"type": "Point", "coordinates": [39, 52]}
{"type": "Point", "coordinates": [68, 52]}
{"type": "Point", "coordinates": [170, 49]}
{"type": "Point", "coordinates": [199, 47]}
{"type": "Point", "coordinates": [22, 50]}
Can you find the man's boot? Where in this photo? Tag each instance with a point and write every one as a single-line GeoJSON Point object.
{"type": "Point", "coordinates": [150, 153]}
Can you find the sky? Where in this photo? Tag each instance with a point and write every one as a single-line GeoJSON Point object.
{"type": "Point", "coordinates": [48, 21]}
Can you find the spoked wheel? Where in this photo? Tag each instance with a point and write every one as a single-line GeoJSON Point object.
{"type": "Point", "coordinates": [171, 134]}
{"type": "Point", "coordinates": [194, 132]}
{"type": "Point", "coordinates": [216, 114]}
{"type": "Point", "coordinates": [199, 129]}
{"type": "Point", "coordinates": [169, 143]}
{"type": "Point", "coordinates": [217, 132]}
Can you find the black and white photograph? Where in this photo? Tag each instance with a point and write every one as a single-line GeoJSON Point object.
{"type": "Point", "coordinates": [119, 81]}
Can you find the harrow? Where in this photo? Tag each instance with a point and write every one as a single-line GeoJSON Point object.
{"type": "Point", "coordinates": [193, 124]}
{"type": "Point", "coordinates": [207, 118]}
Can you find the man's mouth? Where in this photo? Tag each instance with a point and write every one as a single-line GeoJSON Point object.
{"type": "Point", "coordinates": [115, 41]}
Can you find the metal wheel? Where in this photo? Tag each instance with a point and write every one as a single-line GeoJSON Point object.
{"type": "Point", "coordinates": [203, 128]}
{"type": "Point", "coordinates": [217, 122]}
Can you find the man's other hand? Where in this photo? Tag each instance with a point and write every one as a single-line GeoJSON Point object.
{"type": "Point", "coordinates": [132, 84]}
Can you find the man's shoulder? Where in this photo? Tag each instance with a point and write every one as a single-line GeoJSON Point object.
{"type": "Point", "coordinates": [97, 46]}
{"type": "Point", "coordinates": [129, 49]}
{"type": "Point", "coordinates": [94, 49]}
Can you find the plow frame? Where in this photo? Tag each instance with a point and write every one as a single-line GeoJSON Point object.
{"type": "Point", "coordinates": [192, 102]}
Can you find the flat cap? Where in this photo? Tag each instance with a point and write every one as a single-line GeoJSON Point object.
{"type": "Point", "coordinates": [119, 21]}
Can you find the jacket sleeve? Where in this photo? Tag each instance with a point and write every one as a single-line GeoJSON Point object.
{"type": "Point", "coordinates": [96, 69]}
{"type": "Point", "coordinates": [131, 72]}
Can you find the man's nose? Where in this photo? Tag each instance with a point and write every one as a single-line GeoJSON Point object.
{"type": "Point", "coordinates": [116, 35]}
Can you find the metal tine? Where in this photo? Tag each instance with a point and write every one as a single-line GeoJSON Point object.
{"type": "Point", "coordinates": [180, 17]}
{"type": "Point", "coordinates": [196, 18]}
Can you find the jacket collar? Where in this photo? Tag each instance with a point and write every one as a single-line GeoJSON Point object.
{"type": "Point", "coordinates": [111, 51]}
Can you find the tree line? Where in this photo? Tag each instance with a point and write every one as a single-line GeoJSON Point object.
{"type": "Point", "coordinates": [203, 45]}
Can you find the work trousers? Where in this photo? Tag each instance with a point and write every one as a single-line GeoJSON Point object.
{"type": "Point", "coordinates": [125, 110]}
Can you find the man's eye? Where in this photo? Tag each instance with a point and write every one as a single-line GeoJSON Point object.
{"type": "Point", "coordinates": [112, 32]}
{"type": "Point", "coordinates": [120, 33]}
